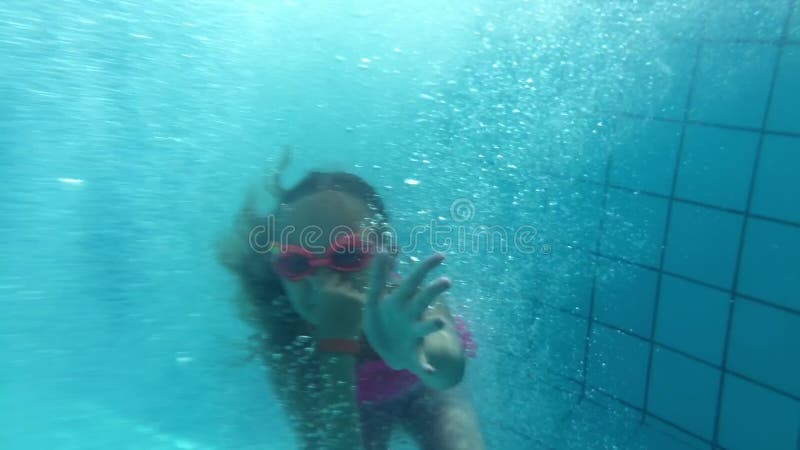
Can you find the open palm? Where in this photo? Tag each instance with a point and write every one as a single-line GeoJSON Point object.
{"type": "Point", "coordinates": [394, 323]}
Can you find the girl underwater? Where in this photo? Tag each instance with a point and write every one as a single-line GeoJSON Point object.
{"type": "Point", "coordinates": [351, 349]}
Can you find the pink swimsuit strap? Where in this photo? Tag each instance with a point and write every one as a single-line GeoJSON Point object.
{"type": "Point", "coordinates": [377, 382]}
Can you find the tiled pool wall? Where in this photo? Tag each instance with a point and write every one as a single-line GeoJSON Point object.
{"type": "Point", "coordinates": [682, 303]}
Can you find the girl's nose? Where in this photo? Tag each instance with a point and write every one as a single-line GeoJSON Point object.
{"type": "Point", "coordinates": [323, 277]}
{"type": "Point", "coordinates": [326, 278]}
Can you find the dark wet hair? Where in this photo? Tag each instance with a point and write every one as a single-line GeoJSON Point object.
{"type": "Point", "coordinates": [335, 181]}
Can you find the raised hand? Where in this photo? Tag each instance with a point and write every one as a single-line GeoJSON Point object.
{"type": "Point", "coordinates": [394, 323]}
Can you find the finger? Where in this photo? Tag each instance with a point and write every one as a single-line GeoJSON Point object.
{"type": "Point", "coordinates": [379, 273]}
{"type": "Point", "coordinates": [426, 327]}
{"type": "Point", "coordinates": [424, 299]}
{"type": "Point", "coordinates": [424, 364]}
{"type": "Point", "coordinates": [409, 286]}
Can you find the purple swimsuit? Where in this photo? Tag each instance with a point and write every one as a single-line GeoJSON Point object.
{"type": "Point", "coordinates": [377, 382]}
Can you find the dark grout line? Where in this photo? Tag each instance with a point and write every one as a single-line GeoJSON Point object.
{"type": "Point", "coordinates": [619, 259]}
{"type": "Point", "coordinates": [685, 122]}
{"type": "Point", "coordinates": [686, 201]}
{"type": "Point", "coordinates": [708, 364]}
{"type": "Point", "coordinates": [700, 123]}
{"type": "Point", "coordinates": [672, 349]}
{"type": "Point", "coordinates": [763, 385]}
{"type": "Point", "coordinates": [601, 391]}
{"type": "Point", "coordinates": [715, 446]}
{"type": "Point", "coordinates": [788, 223]}
{"type": "Point", "coordinates": [560, 309]}
{"type": "Point", "coordinates": [626, 332]}
{"type": "Point", "coordinates": [695, 281]}
{"type": "Point", "coordinates": [684, 430]}
{"type": "Point", "coordinates": [564, 377]}
{"type": "Point", "coordinates": [709, 206]}
{"type": "Point", "coordinates": [743, 128]}
{"type": "Point", "coordinates": [667, 223]}
{"type": "Point", "coordinates": [653, 415]}
{"type": "Point", "coordinates": [762, 302]}
{"type": "Point", "coordinates": [596, 269]}
{"type": "Point", "coordinates": [782, 308]}
{"type": "Point", "coordinates": [743, 232]}
{"type": "Point", "coordinates": [625, 403]}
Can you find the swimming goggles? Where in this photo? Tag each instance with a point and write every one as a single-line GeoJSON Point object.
{"type": "Point", "coordinates": [348, 253]}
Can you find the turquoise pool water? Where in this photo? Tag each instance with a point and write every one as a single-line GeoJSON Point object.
{"type": "Point", "coordinates": [648, 148]}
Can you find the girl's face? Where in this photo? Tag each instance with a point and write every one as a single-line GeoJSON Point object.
{"type": "Point", "coordinates": [313, 222]}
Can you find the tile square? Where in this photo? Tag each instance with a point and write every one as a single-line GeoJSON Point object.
{"type": "Point", "coordinates": [716, 166]}
{"type": "Point", "coordinates": [562, 388]}
{"type": "Point", "coordinates": [571, 213]}
{"type": "Point", "coordinates": [794, 27]}
{"type": "Point", "coordinates": [777, 187]}
{"type": "Point", "coordinates": [771, 263]}
{"type": "Point", "coordinates": [732, 84]}
{"type": "Point", "coordinates": [634, 227]}
{"type": "Point", "coordinates": [656, 79]}
{"type": "Point", "coordinates": [625, 295]}
{"type": "Point", "coordinates": [579, 149]}
{"type": "Point", "coordinates": [684, 392]}
{"type": "Point", "coordinates": [644, 155]}
{"type": "Point", "coordinates": [562, 279]}
{"type": "Point", "coordinates": [606, 425]}
{"type": "Point", "coordinates": [544, 405]}
{"type": "Point", "coordinates": [683, 20]}
{"type": "Point", "coordinates": [754, 417]}
{"type": "Point", "coordinates": [617, 364]}
{"type": "Point", "coordinates": [747, 20]}
{"type": "Point", "coordinates": [496, 432]}
{"type": "Point", "coordinates": [692, 318]}
{"type": "Point", "coordinates": [765, 345]}
{"type": "Point", "coordinates": [703, 244]}
{"type": "Point", "coordinates": [560, 339]}
{"type": "Point", "coordinates": [656, 435]}
{"type": "Point", "coordinates": [783, 114]}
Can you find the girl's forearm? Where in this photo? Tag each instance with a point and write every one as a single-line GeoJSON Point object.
{"type": "Point", "coordinates": [338, 408]}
